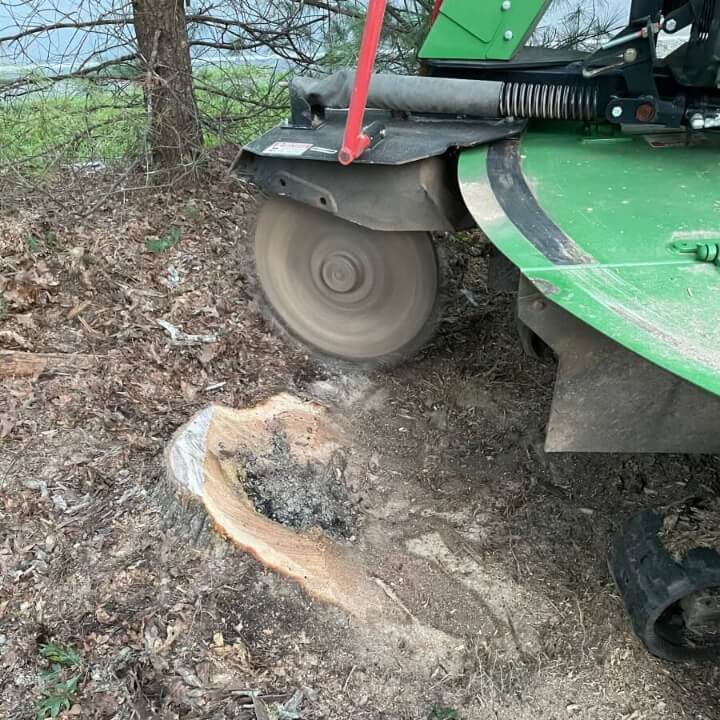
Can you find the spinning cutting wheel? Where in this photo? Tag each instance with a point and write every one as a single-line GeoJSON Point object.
{"type": "Point", "coordinates": [347, 291]}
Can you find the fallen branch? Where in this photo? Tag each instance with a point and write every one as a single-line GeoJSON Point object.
{"type": "Point", "coordinates": [27, 364]}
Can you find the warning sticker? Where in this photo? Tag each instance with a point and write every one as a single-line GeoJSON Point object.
{"type": "Point", "coordinates": [291, 149]}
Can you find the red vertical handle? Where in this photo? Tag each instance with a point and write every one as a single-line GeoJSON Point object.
{"type": "Point", "coordinates": [355, 141]}
{"type": "Point", "coordinates": [435, 10]}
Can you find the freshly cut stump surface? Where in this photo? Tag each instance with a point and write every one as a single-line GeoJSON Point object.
{"type": "Point", "coordinates": [222, 456]}
{"type": "Point", "coordinates": [209, 460]}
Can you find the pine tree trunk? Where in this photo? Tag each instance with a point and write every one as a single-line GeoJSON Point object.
{"type": "Point", "coordinates": [175, 135]}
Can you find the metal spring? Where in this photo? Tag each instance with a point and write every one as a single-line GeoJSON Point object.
{"type": "Point", "coordinates": [705, 23]}
{"type": "Point", "coordinates": [549, 102]}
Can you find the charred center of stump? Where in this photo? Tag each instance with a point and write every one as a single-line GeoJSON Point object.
{"type": "Point", "coordinates": [301, 496]}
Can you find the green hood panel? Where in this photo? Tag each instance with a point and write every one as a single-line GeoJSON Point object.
{"type": "Point", "coordinates": [592, 222]}
{"type": "Point", "coordinates": [472, 30]}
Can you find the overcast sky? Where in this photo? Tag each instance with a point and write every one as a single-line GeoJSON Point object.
{"type": "Point", "coordinates": [61, 47]}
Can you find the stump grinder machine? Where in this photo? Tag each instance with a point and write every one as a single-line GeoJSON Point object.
{"type": "Point", "coordinates": [596, 178]}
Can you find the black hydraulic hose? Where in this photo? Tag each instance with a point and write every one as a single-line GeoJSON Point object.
{"type": "Point", "coordinates": [454, 96]}
{"type": "Point", "coordinates": [408, 93]}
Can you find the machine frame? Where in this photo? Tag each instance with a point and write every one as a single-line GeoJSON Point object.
{"type": "Point", "coordinates": [554, 155]}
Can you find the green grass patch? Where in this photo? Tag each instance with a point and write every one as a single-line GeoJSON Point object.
{"type": "Point", "coordinates": [38, 242]}
{"type": "Point", "coordinates": [161, 243]}
{"type": "Point", "coordinates": [69, 128]}
{"type": "Point", "coordinates": [81, 122]}
{"type": "Point", "coordinates": [237, 103]}
{"type": "Point", "coordinates": [58, 680]}
{"type": "Point", "coordinates": [443, 713]}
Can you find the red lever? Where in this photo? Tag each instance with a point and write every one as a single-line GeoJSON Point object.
{"type": "Point", "coordinates": [435, 11]}
{"type": "Point", "coordinates": [355, 141]}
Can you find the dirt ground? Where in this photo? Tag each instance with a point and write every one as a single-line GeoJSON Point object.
{"type": "Point", "coordinates": [494, 550]}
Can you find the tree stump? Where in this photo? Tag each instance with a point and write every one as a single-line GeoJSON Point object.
{"type": "Point", "coordinates": [205, 470]}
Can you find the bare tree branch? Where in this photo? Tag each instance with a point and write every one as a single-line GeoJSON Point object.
{"type": "Point", "coordinates": [63, 26]}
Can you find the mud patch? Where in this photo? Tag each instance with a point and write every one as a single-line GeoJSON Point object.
{"type": "Point", "coordinates": [300, 496]}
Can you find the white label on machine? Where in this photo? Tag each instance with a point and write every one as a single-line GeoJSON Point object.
{"type": "Point", "coordinates": [287, 148]}
{"type": "Point", "coordinates": [325, 151]}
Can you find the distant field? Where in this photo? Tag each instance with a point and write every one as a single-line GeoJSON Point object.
{"type": "Point", "coordinates": [85, 121]}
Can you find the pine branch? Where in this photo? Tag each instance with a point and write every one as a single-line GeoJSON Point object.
{"type": "Point", "coordinates": [64, 26]}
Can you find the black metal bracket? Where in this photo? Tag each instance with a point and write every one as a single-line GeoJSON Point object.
{"type": "Point", "coordinates": [684, 16]}
{"type": "Point", "coordinates": [302, 113]}
{"type": "Point", "coordinates": [630, 53]}
{"type": "Point", "coordinates": [646, 110]}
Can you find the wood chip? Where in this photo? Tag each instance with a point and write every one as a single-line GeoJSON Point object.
{"type": "Point", "coordinates": [26, 364]}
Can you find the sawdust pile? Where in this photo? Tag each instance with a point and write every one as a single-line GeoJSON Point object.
{"type": "Point", "coordinates": [692, 527]}
{"type": "Point", "coordinates": [300, 496]}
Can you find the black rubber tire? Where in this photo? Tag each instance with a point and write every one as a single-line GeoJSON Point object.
{"type": "Point", "coordinates": [277, 215]}
{"type": "Point", "coordinates": [650, 582]}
